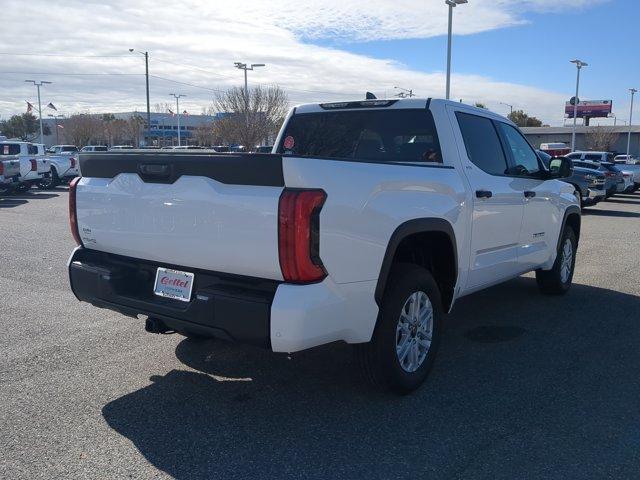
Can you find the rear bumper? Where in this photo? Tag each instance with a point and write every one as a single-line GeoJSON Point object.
{"type": "Point", "coordinates": [222, 305]}
{"type": "Point", "coordinates": [594, 196]}
{"type": "Point", "coordinates": [268, 313]}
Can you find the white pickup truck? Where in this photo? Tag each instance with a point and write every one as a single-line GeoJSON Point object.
{"type": "Point", "coordinates": [365, 224]}
{"type": "Point", "coordinates": [64, 165]}
{"type": "Point", "coordinates": [34, 166]}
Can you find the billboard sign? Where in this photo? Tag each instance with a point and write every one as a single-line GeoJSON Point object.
{"type": "Point", "coordinates": [589, 108]}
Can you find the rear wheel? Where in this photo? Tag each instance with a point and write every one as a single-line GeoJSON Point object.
{"type": "Point", "coordinates": [50, 182]}
{"type": "Point", "coordinates": [557, 281]}
{"type": "Point", "coordinates": [407, 334]}
{"type": "Point", "coordinates": [23, 187]}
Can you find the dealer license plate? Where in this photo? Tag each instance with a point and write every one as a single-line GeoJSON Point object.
{"type": "Point", "coordinates": [173, 284]}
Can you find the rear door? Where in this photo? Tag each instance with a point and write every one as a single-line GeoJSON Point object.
{"type": "Point", "coordinates": [540, 221]}
{"type": "Point", "coordinates": [497, 203]}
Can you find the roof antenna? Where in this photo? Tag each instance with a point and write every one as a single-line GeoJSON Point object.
{"type": "Point", "coordinates": [370, 96]}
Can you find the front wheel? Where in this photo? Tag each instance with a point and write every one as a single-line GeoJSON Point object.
{"type": "Point", "coordinates": [406, 337]}
{"type": "Point", "coordinates": [557, 281]}
{"type": "Point", "coordinates": [50, 182]}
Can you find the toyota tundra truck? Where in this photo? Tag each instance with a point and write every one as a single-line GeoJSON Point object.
{"type": "Point", "coordinates": [364, 225]}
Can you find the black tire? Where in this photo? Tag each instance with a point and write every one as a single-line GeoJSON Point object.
{"type": "Point", "coordinates": [379, 359]}
{"type": "Point", "coordinates": [22, 187]}
{"type": "Point", "coordinates": [50, 183]}
{"type": "Point", "coordinates": [554, 282]}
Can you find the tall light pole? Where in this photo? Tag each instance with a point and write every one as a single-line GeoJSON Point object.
{"type": "Point", "coordinates": [146, 67]}
{"type": "Point", "coordinates": [38, 85]}
{"type": "Point", "coordinates": [508, 105]}
{"type": "Point", "coordinates": [245, 67]}
{"type": "Point", "coordinates": [579, 65]}
{"type": "Point", "coordinates": [452, 4]}
{"type": "Point", "coordinates": [55, 120]}
{"type": "Point", "coordinates": [177, 97]}
{"type": "Point", "coordinates": [633, 92]}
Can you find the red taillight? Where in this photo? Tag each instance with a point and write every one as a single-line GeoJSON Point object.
{"type": "Point", "coordinates": [299, 235]}
{"type": "Point", "coordinates": [73, 162]}
{"type": "Point", "coordinates": [73, 217]}
{"type": "Point", "coordinates": [610, 174]}
{"type": "Point", "coordinates": [34, 165]}
{"type": "Point", "coordinates": [1, 168]}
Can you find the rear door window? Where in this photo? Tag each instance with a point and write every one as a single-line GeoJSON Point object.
{"type": "Point", "coordinates": [574, 156]}
{"type": "Point", "coordinates": [592, 156]}
{"type": "Point", "coordinates": [407, 135]}
{"type": "Point", "coordinates": [482, 143]}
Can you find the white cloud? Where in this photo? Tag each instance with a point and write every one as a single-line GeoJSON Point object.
{"type": "Point", "coordinates": [197, 41]}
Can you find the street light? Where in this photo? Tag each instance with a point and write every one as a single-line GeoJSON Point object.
{"type": "Point", "coordinates": [38, 85]}
{"type": "Point", "coordinates": [245, 67]}
{"type": "Point", "coordinates": [55, 120]}
{"type": "Point", "coordinates": [452, 4]}
{"type": "Point", "coordinates": [579, 65]}
{"type": "Point", "coordinates": [508, 105]}
{"type": "Point", "coordinates": [177, 97]}
{"type": "Point", "coordinates": [146, 66]}
{"type": "Point", "coordinates": [404, 92]}
{"type": "Point", "coordinates": [633, 92]}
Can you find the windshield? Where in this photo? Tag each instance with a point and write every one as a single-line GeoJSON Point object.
{"type": "Point", "coordinates": [69, 148]}
{"type": "Point", "coordinates": [379, 135]}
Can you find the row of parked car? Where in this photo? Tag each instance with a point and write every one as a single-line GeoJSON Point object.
{"type": "Point", "coordinates": [599, 175]}
{"type": "Point", "coordinates": [24, 165]}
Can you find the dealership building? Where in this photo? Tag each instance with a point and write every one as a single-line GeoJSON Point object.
{"type": "Point", "coordinates": [163, 131]}
{"type": "Point", "coordinates": [584, 136]}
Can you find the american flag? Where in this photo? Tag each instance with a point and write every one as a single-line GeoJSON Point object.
{"type": "Point", "coordinates": [29, 107]}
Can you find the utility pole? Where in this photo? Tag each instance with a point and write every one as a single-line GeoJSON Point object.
{"type": "Point", "coordinates": [579, 65]}
{"type": "Point", "coordinates": [38, 85]}
{"type": "Point", "coordinates": [633, 92]}
{"type": "Point", "coordinates": [510, 106]}
{"type": "Point", "coordinates": [146, 68]}
{"type": "Point", "coordinates": [177, 97]}
{"type": "Point", "coordinates": [55, 119]}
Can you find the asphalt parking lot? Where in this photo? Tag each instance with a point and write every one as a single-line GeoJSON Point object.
{"type": "Point", "coordinates": [525, 386]}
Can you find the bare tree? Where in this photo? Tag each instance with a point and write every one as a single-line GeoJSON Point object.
{"type": "Point", "coordinates": [162, 107]}
{"type": "Point", "coordinates": [205, 135]}
{"type": "Point", "coordinates": [601, 138]}
{"type": "Point", "coordinates": [250, 120]}
{"type": "Point", "coordinates": [132, 130]}
{"type": "Point", "coordinates": [81, 128]}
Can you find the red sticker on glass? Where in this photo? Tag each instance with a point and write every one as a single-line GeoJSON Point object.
{"type": "Point", "coordinates": [289, 142]}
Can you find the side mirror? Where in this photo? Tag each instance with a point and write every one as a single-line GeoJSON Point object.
{"type": "Point", "coordinates": [561, 167]}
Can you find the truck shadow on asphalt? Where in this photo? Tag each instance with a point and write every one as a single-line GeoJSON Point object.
{"type": "Point", "coordinates": [609, 213]}
{"type": "Point", "coordinates": [523, 382]}
{"type": "Point", "coordinates": [14, 200]}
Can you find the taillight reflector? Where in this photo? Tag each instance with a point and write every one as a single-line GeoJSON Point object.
{"type": "Point", "coordinates": [1, 168]}
{"type": "Point", "coordinates": [73, 162]}
{"type": "Point", "coordinates": [299, 235]}
{"type": "Point", "coordinates": [73, 215]}
{"type": "Point", "coordinates": [34, 165]}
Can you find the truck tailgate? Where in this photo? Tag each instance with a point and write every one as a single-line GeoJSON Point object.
{"type": "Point", "coordinates": [200, 210]}
{"type": "Point", "coordinates": [10, 168]}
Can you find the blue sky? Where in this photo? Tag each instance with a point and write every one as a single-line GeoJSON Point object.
{"type": "Point", "coordinates": [537, 53]}
{"type": "Point", "coordinates": [509, 51]}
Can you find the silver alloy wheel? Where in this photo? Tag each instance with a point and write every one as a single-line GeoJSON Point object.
{"type": "Point", "coordinates": [566, 261]}
{"type": "Point", "coordinates": [414, 331]}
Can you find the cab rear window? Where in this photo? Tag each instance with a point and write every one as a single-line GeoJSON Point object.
{"type": "Point", "coordinates": [10, 149]}
{"type": "Point", "coordinates": [378, 135]}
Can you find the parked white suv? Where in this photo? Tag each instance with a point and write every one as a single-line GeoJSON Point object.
{"type": "Point", "coordinates": [366, 226]}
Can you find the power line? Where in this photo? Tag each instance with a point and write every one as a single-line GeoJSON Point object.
{"type": "Point", "coordinates": [60, 55]}
{"type": "Point", "coordinates": [53, 74]}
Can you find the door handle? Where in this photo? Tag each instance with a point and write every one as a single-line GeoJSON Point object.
{"type": "Point", "coordinates": [529, 194]}
{"type": "Point", "coordinates": [484, 194]}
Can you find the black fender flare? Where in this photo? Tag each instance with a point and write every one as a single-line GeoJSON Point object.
{"type": "Point", "coordinates": [411, 227]}
{"type": "Point", "coordinates": [571, 210]}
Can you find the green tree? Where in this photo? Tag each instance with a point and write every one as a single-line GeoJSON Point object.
{"type": "Point", "coordinates": [25, 127]}
{"type": "Point", "coordinates": [523, 120]}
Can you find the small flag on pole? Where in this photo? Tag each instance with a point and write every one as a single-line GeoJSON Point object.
{"type": "Point", "coordinates": [29, 107]}
{"type": "Point", "coordinates": [60, 126]}
{"type": "Point", "coordinates": [170, 111]}
{"type": "Point", "coordinates": [52, 106]}
{"type": "Point", "coordinates": [185, 113]}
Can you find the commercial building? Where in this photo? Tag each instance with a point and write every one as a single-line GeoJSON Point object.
{"type": "Point", "coordinates": [610, 138]}
{"type": "Point", "coordinates": [163, 129]}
